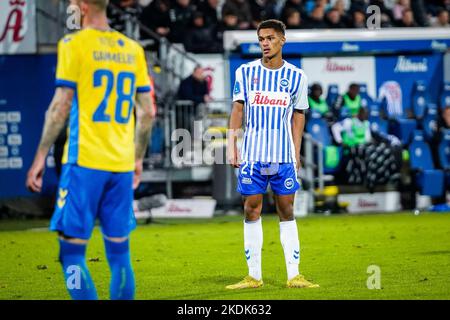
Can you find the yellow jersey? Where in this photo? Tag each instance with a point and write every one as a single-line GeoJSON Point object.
{"type": "Point", "coordinates": [105, 69]}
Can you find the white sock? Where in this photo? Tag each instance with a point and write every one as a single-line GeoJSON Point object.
{"type": "Point", "coordinates": [291, 247]}
{"type": "Point", "coordinates": [253, 240]}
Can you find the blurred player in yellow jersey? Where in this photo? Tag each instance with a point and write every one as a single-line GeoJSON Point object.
{"type": "Point", "coordinates": [101, 75]}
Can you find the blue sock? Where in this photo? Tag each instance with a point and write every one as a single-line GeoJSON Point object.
{"type": "Point", "coordinates": [122, 276]}
{"type": "Point", "coordinates": [78, 279]}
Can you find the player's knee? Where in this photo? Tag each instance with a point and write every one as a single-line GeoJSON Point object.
{"type": "Point", "coordinates": [116, 239]}
{"type": "Point", "coordinates": [286, 212]}
{"type": "Point", "coordinates": [72, 240]}
{"type": "Point", "coordinates": [252, 211]}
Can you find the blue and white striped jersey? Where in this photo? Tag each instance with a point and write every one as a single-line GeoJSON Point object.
{"type": "Point", "coordinates": [270, 97]}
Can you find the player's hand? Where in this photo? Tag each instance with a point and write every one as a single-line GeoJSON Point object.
{"type": "Point", "coordinates": [35, 173]}
{"type": "Point", "coordinates": [233, 157]}
{"type": "Point", "coordinates": [137, 174]}
{"type": "Point", "coordinates": [207, 98]}
{"type": "Point", "coordinates": [298, 164]}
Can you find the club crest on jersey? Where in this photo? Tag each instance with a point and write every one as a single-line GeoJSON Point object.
{"type": "Point", "coordinates": [267, 99]}
{"type": "Point", "coordinates": [284, 82]}
{"type": "Point", "coordinates": [289, 183]}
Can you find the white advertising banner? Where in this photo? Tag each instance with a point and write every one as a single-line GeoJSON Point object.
{"type": "Point", "coordinates": [371, 202]}
{"type": "Point", "coordinates": [17, 26]}
{"type": "Point", "coordinates": [186, 208]}
{"type": "Point", "coordinates": [341, 71]}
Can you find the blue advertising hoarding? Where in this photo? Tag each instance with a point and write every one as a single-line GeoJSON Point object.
{"type": "Point", "coordinates": [343, 47]}
{"type": "Point", "coordinates": [26, 89]}
{"type": "Point", "coordinates": [407, 69]}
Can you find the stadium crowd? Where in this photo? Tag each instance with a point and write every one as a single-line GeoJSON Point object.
{"type": "Point", "coordinates": [200, 24]}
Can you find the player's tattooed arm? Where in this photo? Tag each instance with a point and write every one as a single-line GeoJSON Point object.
{"type": "Point", "coordinates": [298, 125]}
{"type": "Point", "coordinates": [55, 118]}
{"type": "Point", "coordinates": [235, 129]}
{"type": "Point", "coordinates": [144, 120]}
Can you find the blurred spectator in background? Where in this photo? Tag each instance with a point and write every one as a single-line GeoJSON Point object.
{"type": "Point", "coordinates": [407, 19]}
{"type": "Point", "coordinates": [318, 104]}
{"type": "Point", "coordinates": [358, 5]}
{"type": "Point", "coordinates": [209, 8]}
{"type": "Point", "coordinates": [399, 8]}
{"type": "Point", "coordinates": [420, 13]}
{"type": "Point", "coordinates": [118, 20]}
{"type": "Point", "coordinates": [229, 22]}
{"type": "Point", "coordinates": [353, 131]}
{"type": "Point", "coordinates": [442, 19]}
{"type": "Point", "coordinates": [433, 6]}
{"type": "Point", "coordinates": [195, 87]}
{"type": "Point", "coordinates": [310, 5]}
{"type": "Point", "coordinates": [241, 9]}
{"type": "Point", "coordinates": [316, 18]}
{"type": "Point", "coordinates": [180, 18]}
{"type": "Point", "coordinates": [341, 5]}
{"type": "Point", "coordinates": [353, 134]}
{"type": "Point", "coordinates": [290, 5]}
{"type": "Point", "coordinates": [200, 38]}
{"type": "Point", "coordinates": [386, 13]}
{"type": "Point", "coordinates": [262, 10]}
{"type": "Point", "coordinates": [156, 17]}
{"type": "Point", "coordinates": [358, 19]}
{"type": "Point", "coordinates": [293, 19]}
{"type": "Point", "coordinates": [366, 160]}
{"type": "Point", "coordinates": [444, 121]}
{"type": "Point", "coordinates": [334, 19]}
{"type": "Point", "coordinates": [351, 101]}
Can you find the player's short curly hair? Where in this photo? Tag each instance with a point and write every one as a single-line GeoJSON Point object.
{"type": "Point", "coordinates": [277, 25]}
{"type": "Point", "coordinates": [100, 4]}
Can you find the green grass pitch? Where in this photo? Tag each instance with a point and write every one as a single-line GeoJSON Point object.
{"type": "Point", "coordinates": [179, 259]}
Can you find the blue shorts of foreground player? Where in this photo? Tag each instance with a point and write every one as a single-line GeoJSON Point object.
{"type": "Point", "coordinates": [87, 194]}
{"type": "Point", "coordinates": [255, 176]}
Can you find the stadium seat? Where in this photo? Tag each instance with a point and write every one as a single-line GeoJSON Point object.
{"type": "Point", "coordinates": [332, 95]}
{"type": "Point", "coordinates": [403, 129]}
{"type": "Point", "coordinates": [444, 100]}
{"type": "Point", "coordinates": [319, 131]}
{"type": "Point", "coordinates": [314, 113]}
{"type": "Point", "coordinates": [429, 181]}
{"type": "Point", "coordinates": [444, 155]}
{"type": "Point", "coordinates": [376, 122]}
{"type": "Point", "coordinates": [366, 100]}
{"type": "Point", "coordinates": [375, 105]}
{"type": "Point", "coordinates": [430, 122]}
{"type": "Point", "coordinates": [419, 99]}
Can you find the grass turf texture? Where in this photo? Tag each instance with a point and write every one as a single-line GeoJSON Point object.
{"type": "Point", "coordinates": [179, 259]}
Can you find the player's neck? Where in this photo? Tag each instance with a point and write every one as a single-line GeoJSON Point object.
{"type": "Point", "coordinates": [272, 63]}
{"type": "Point", "coordinates": [98, 22]}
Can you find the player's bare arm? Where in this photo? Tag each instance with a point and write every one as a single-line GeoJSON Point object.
{"type": "Point", "coordinates": [235, 127]}
{"type": "Point", "coordinates": [144, 121]}
{"type": "Point", "coordinates": [298, 125]}
{"type": "Point", "coordinates": [55, 118]}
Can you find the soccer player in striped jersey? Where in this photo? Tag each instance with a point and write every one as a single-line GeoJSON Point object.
{"type": "Point", "coordinates": [272, 95]}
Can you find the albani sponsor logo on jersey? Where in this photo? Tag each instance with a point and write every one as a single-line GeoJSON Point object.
{"type": "Point", "coordinates": [269, 99]}
{"type": "Point", "coordinates": [407, 65]}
